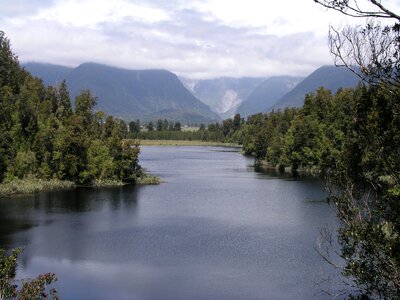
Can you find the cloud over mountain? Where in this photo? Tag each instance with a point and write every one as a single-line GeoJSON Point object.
{"type": "Point", "coordinates": [196, 39]}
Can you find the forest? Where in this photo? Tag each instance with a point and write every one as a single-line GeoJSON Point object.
{"type": "Point", "coordinates": [43, 137]}
{"type": "Point", "coordinates": [351, 139]}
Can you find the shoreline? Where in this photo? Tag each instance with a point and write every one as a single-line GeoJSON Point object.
{"type": "Point", "coordinates": [19, 187]}
{"type": "Point", "coordinates": [308, 172]}
{"type": "Point", "coordinates": [29, 186]}
{"type": "Point", "coordinates": [186, 143]}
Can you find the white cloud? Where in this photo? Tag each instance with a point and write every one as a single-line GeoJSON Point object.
{"type": "Point", "coordinates": [199, 38]}
{"type": "Point", "coordinates": [275, 17]}
{"type": "Point", "coordinates": [89, 13]}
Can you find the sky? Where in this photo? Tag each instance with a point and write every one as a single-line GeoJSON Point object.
{"type": "Point", "coordinates": [198, 39]}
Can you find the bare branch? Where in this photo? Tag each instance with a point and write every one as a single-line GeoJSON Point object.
{"type": "Point", "coordinates": [384, 9]}
{"type": "Point", "coordinates": [352, 8]}
{"type": "Point", "coordinates": [370, 52]}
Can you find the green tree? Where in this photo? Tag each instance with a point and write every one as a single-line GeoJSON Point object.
{"type": "Point", "coordinates": [120, 129]}
{"type": "Point", "coordinates": [134, 127]}
{"type": "Point", "coordinates": [177, 126]}
{"type": "Point", "coordinates": [129, 167]}
{"type": "Point", "coordinates": [70, 149]}
{"type": "Point", "coordinates": [31, 289]}
{"type": "Point", "coordinates": [40, 135]}
{"type": "Point", "coordinates": [150, 126]}
{"type": "Point", "coordinates": [11, 74]}
{"type": "Point", "coordinates": [365, 184]}
{"type": "Point", "coordinates": [108, 127]}
{"type": "Point", "coordinates": [64, 108]}
{"type": "Point", "coordinates": [159, 126]}
{"type": "Point", "coordinates": [100, 164]}
{"type": "Point", "coordinates": [84, 104]}
{"type": "Point", "coordinates": [237, 121]}
{"type": "Point", "coordinates": [165, 125]}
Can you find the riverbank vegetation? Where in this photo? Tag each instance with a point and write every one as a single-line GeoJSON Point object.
{"type": "Point", "coordinates": [352, 138]}
{"type": "Point", "coordinates": [147, 179]}
{"type": "Point", "coordinates": [165, 130]}
{"type": "Point", "coordinates": [45, 143]}
{"type": "Point", "coordinates": [306, 138]}
{"type": "Point", "coordinates": [32, 185]}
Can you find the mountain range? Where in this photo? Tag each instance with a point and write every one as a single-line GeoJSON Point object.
{"type": "Point", "coordinates": [266, 94]}
{"type": "Point", "coordinates": [130, 94]}
{"type": "Point", "coordinates": [154, 94]}
{"type": "Point", "coordinates": [247, 96]}
{"type": "Point", "coordinates": [329, 77]}
{"type": "Point", "coordinates": [223, 95]}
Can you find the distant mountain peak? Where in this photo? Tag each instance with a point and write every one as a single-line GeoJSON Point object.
{"type": "Point", "coordinates": [266, 94]}
{"type": "Point", "coordinates": [329, 77]}
{"type": "Point", "coordinates": [223, 94]}
{"type": "Point", "coordinates": [131, 94]}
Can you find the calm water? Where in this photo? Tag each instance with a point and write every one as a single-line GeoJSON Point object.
{"type": "Point", "coordinates": [216, 229]}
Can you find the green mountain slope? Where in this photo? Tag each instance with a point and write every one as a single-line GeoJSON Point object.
{"type": "Point", "coordinates": [329, 77]}
{"type": "Point", "coordinates": [50, 74]}
{"type": "Point", "coordinates": [267, 94]}
{"type": "Point", "coordinates": [131, 94]}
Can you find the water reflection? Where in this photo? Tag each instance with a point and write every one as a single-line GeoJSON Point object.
{"type": "Point", "coordinates": [215, 230]}
{"type": "Point", "coordinates": [24, 213]}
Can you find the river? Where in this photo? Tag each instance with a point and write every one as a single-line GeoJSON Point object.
{"type": "Point", "coordinates": [214, 229]}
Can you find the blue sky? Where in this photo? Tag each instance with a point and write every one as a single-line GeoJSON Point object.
{"type": "Point", "coordinates": [196, 39]}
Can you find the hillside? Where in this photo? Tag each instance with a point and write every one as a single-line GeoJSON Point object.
{"type": "Point", "coordinates": [223, 95]}
{"type": "Point", "coordinates": [267, 94]}
{"type": "Point", "coordinates": [329, 77]}
{"type": "Point", "coordinates": [132, 94]}
{"type": "Point", "coordinates": [50, 74]}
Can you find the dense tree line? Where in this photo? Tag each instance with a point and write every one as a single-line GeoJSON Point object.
{"type": "Point", "coordinates": [305, 138]}
{"type": "Point", "coordinates": [168, 130]}
{"type": "Point", "coordinates": [353, 139]}
{"type": "Point", "coordinates": [366, 181]}
{"type": "Point", "coordinates": [42, 136]}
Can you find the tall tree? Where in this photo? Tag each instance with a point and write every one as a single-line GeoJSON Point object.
{"type": "Point", "coordinates": [150, 126]}
{"type": "Point", "coordinates": [177, 126]}
{"type": "Point", "coordinates": [365, 185]}
{"type": "Point", "coordinates": [64, 108]}
{"type": "Point", "coordinates": [11, 74]}
{"type": "Point", "coordinates": [84, 104]}
{"type": "Point", "coordinates": [40, 135]}
{"type": "Point", "coordinates": [159, 126]}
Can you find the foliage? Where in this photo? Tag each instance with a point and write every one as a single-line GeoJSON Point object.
{"type": "Point", "coordinates": [32, 185]}
{"type": "Point", "coordinates": [31, 288]}
{"type": "Point", "coordinates": [128, 165]}
{"type": "Point", "coordinates": [364, 188]}
{"type": "Point", "coordinates": [353, 139]}
{"type": "Point", "coordinates": [364, 185]}
{"type": "Point", "coordinates": [42, 137]}
{"type": "Point", "coordinates": [149, 179]}
{"type": "Point", "coordinates": [167, 130]}
{"type": "Point", "coordinates": [187, 143]}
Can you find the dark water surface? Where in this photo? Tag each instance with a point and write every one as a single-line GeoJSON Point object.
{"type": "Point", "coordinates": [216, 229]}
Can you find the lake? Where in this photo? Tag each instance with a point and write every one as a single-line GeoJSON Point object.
{"type": "Point", "coordinates": [214, 229]}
